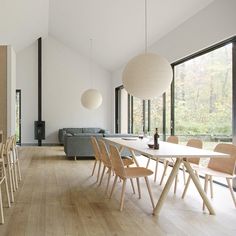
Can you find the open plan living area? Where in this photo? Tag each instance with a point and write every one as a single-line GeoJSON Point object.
{"type": "Point", "coordinates": [117, 117]}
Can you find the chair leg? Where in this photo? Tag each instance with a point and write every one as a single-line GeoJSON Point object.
{"type": "Point", "coordinates": [15, 173]}
{"type": "Point", "coordinates": [164, 172]}
{"type": "Point", "coordinates": [148, 162]}
{"type": "Point", "coordinates": [15, 167]}
{"type": "Point", "coordinates": [99, 168]}
{"type": "Point", "coordinates": [113, 186]}
{"type": "Point", "coordinates": [1, 207]}
{"type": "Point", "coordinates": [122, 195]}
{"type": "Point", "coordinates": [139, 191]}
{"type": "Point", "coordinates": [103, 171]}
{"type": "Point", "coordinates": [10, 182]}
{"type": "Point", "coordinates": [176, 182]}
{"type": "Point", "coordinates": [205, 189]}
{"type": "Point", "coordinates": [12, 170]}
{"type": "Point", "coordinates": [184, 175]}
{"type": "Point", "coordinates": [155, 177]}
{"type": "Point", "coordinates": [7, 191]}
{"type": "Point", "coordinates": [211, 186]}
{"type": "Point", "coordinates": [197, 175]}
{"type": "Point", "coordinates": [18, 165]}
{"type": "Point", "coordinates": [94, 166]}
{"type": "Point", "coordinates": [108, 181]}
{"type": "Point", "coordinates": [186, 187]}
{"type": "Point", "coordinates": [149, 191]}
{"type": "Point", "coordinates": [132, 184]}
{"type": "Point", "coordinates": [231, 190]}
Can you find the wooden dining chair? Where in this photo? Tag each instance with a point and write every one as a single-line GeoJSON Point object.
{"type": "Point", "coordinates": [3, 179]}
{"type": "Point", "coordinates": [220, 167]}
{"type": "Point", "coordinates": [170, 139]}
{"type": "Point", "coordinates": [125, 173]}
{"type": "Point", "coordinates": [167, 162]}
{"type": "Point", "coordinates": [105, 158]}
{"type": "Point", "coordinates": [1, 136]}
{"type": "Point", "coordinates": [16, 159]}
{"type": "Point", "coordinates": [10, 169]}
{"type": "Point", "coordinates": [196, 143]}
{"type": "Point", "coordinates": [97, 156]}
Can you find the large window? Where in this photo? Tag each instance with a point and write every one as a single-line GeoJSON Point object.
{"type": "Point", "coordinates": [138, 116]}
{"type": "Point", "coordinates": [199, 102]}
{"type": "Point", "coordinates": [203, 97]}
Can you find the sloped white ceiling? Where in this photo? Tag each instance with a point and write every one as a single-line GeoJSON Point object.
{"type": "Point", "coordinates": [117, 26]}
{"type": "Point", "coordinates": [23, 21]}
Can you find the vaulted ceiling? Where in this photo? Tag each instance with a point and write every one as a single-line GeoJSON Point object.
{"type": "Point", "coordinates": [116, 26]}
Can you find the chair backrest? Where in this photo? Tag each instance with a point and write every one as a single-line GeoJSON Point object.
{"type": "Point", "coordinates": [196, 143]}
{"type": "Point", "coordinates": [1, 136]}
{"type": "Point", "coordinates": [105, 157]}
{"type": "Point", "coordinates": [13, 140]}
{"type": "Point", "coordinates": [225, 165]}
{"type": "Point", "coordinates": [117, 163]}
{"type": "Point", "coordinates": [8, 144]}
{"type": "Point", "coordinates": [2, 147]}
{"type": "Point", "coordinates": [1, 150]}
{"type": "Point", "coordinates": [173, 139]}
{"type": "Point", "coordinates": [12, 143]}
{"type": "Point", "coordinates": [96, 149]}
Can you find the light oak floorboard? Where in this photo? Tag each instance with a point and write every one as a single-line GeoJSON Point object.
{"type": "Point", "coordinates": [60, 197]}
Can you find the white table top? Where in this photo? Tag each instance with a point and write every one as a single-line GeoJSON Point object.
{"type": "Point", "coordinates": [166, 149]}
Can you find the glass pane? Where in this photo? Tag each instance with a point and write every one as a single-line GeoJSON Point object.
{"type": "Point", "coordinates": [17, 116]}
{"type": "Point", "coordinates": [123, 111]}
{"type": "Point", "coordinates": [137, 116]}
{"type": "Point", "coordinates": [168, 110]}
{"type": "Point", "coordinates": [156, 116]}
{"type": "Point", "coordinates": [203, 97]}
{"type": "Point", "coordinates": [146, 117]}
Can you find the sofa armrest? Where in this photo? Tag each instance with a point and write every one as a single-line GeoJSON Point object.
{"type": "Point", "coordinates": [61, 136]}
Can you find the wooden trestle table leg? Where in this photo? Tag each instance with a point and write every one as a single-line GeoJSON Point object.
{"type": "Point", "coordinates": [167, 187]}
{"type": "Point", "coordinates": [199, 188]}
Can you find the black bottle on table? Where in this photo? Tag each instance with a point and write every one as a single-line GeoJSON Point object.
{"type": "Point", "coordinates": [156, 137]}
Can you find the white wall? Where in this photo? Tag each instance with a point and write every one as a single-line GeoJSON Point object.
{"type": "Point", "coordinates": [213, 24]}
{"type": "Point", "coordinates": [26, 80]}
{"type": "Point", "coordinates": [65, 77]}
{"type": "Point", "coordinates": [11, 91]}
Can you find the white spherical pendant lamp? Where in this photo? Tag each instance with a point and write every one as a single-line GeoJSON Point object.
{"type": "Point", "coordinates": [91, 99]}
{"type": "Point", "coordinates": [147, 76]}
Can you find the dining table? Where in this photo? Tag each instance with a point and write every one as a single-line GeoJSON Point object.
{"type": "Point", "coordinates": [168, 150]}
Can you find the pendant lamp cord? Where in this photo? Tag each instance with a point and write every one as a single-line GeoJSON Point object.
{"type": "Point", "coordinates": [91, 62]}
{"type": "Point", "coordinates": [145, 26]}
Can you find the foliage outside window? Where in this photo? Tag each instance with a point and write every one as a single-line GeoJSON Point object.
{"type": "Point", "coordinates": [203, 96]}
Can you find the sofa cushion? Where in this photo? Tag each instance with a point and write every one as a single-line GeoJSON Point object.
{"type": "Point", "coordinates": [119, 135]}
{"type": "Point", "coordinates": [91, 130]}
{"type": "Point", "coordinates": [73, 131]}
{"type": "Point", "coordinates": [88, 134]}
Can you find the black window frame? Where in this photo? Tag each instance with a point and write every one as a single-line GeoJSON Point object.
{"type": "Point", "coordinates": [172, 95]}
{"type": "Point", "coordinates": [200, 53]}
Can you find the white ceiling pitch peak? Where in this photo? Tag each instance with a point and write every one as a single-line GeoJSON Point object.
{"type": "Point", "coordinates": [116, 26]}
{"type": "Point", "coordinates": [23, 22]}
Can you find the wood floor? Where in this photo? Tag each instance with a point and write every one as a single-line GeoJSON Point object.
{"type": "Point", "coordinates": [59, 197]}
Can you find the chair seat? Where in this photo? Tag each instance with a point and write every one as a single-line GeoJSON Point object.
{"type": "Point", "coordinates": [127, 161]}
{"type": "Point", "coordinates": [208, 171]}
{"type": "Point", "coordinates": [136, 172]}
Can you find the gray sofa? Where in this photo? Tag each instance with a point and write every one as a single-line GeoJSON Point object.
{"type": "Point", "coordinates": [77, 141]}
